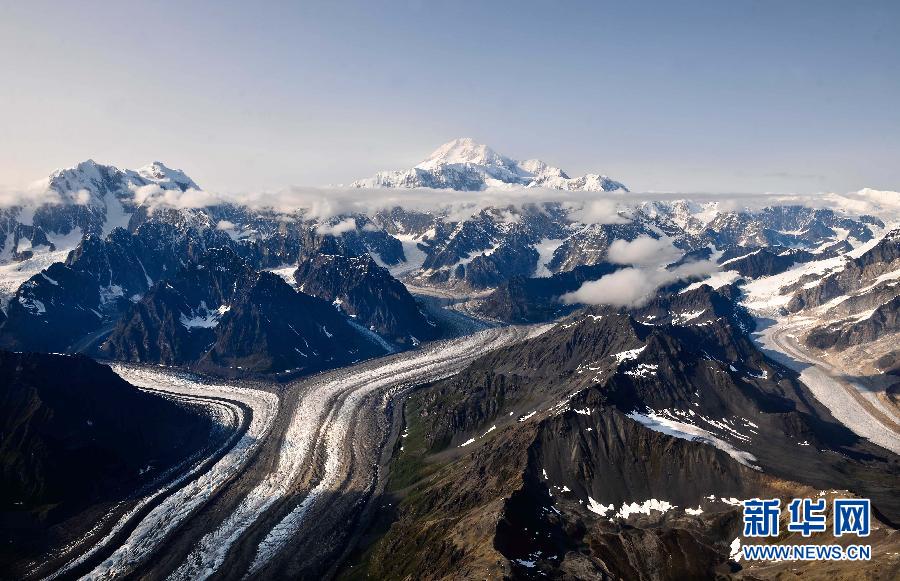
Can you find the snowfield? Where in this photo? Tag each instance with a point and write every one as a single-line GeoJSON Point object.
{"type": "Point", "coordinates": [660, 422]}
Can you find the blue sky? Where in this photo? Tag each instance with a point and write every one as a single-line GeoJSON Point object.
{"type": "Point", "coordinates": [744, 96]}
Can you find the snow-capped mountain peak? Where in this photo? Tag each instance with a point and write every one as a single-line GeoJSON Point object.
{"type": "Point", "coordinates": [157, 172]}
{"type": "Point", "coordinates": [464, 164]}
{"type": "Point", "coordinates": [465, 150]}
{"type": "Point", "coordinates": [537, 167]}
{"type": "Point", "coordinates": [96, 180]}
{"type": "Point", "coordinates": [84, 183]}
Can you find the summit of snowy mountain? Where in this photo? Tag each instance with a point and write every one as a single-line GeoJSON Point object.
{"type": "Point", "coordinates": [88, 182]}
{"type": "Point", "coordinates": [464, 164]}
{"type": "Point", "coordinates": [158, 173]}
{"type": "Point", "coordinates": [87, 198]}
{"type": "Point", "coordinates": [465, 150]}
{"type": "Point", "coordinates": [84, 183]}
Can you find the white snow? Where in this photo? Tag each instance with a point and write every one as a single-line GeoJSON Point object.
{"type": "Point", "coordinates": [34, 306]}
{"type": "Point", "coordinates": [527, 416]}
{"type": "Point", "coordinates": [110, 293]}
{"type": "Point", "coordinates": [764, 295]}
{"type": "Point", "coordinates": [286, 272]}
{"type": "Point", "coordinates": [681, 429]}
{"type": "Point", "coordinates": [682, 318]}
{"type": "Point", "coordinates": [415, 257]}
{"type": "Point", "coordinates": [373, 336]}
{"type": "Point", "coordinates": [628, 355]}
{"type": "Point", "coordinates": [525, 563]}
{"type": "Point", "coordinates": [628, 509]}
{"type": "Point", "coordinates": [13, 274]}
{"type": "Point", "coordinates": [598, 508]}
{"type": "Point", "coordinates": [735, 553]}
{"type": "Point", "coordinates": [204, 318]}
{"type": "Point", "coordinates": [642, 370]}
{"type": "Point", "coordinates": [736, 258]}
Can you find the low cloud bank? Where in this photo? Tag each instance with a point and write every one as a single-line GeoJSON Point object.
{"type": "Point", "coordinates": [586, 207]}
{"type": "Point", "coordinates": [634, 286]}
{"type": "Point", "coordinates": [643, 251]}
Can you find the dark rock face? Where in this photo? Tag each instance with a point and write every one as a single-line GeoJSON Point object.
{"type": "Point", "coordinates": [485, 249]}
{"type": "Point", "coordinates": [620, 461]}
{"type": "Point", "coordinates": [399, 220]}
{"type": "Point", "coordinates": [129, 263]}
{"type": "Point", "coordinates": [152, 331]}
{"type": "Point", "coordinates": [789, 226]}
{"type": "Point", "coordinates": [27, 239]}
{"type": "Point", "coordinates": [272, 328]}
{"type": "Point", "coordinates": [591, 244]}
{"type": "Point", "coordinates": [676, 306]}
{"type": "Point", "coordinates": [75, 435]}
{"type": "Point", "coordinates": [219, 313]}
{"type": "Point", "coordinates": [531, 488]}
{"type": "Point", "coordinates": [100, 279]}
{"type": "Point", "coordinates": [890, 363]}
{"type": "Point", "coordinates": [769, 261]}
{"type": "Point", "coordinates": [511, 258]}
{"type": "Point", "coordinates": [163, 289]}
{"type": "Point", "coordinates": [266, 242]}
{"type": "Point", "coordinates": [533, 300]}
{"type": "Point", "coordinates": [856, 274]}
{"type": "Point", "coordinates": [368, 293]}
{"type": "Point", "coordinates": [883, 320]}
{"type": "Point", "coordinates": [51, 310]}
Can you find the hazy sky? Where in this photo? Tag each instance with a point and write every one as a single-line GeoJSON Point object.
{"type": "Point", "coordinates": [722, 95]}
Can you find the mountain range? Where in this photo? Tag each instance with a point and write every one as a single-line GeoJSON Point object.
{"type": "Point", "coordinates": [673, 357]}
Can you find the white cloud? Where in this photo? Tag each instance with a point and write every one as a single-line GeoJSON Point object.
{"type": "Point", "coordinates": [34, 194]}
{"type": "Point", "coordinates": [225, 225]}
{"type": "Point", "coordinates": [644, 251]}
{"type": "Point", "coordinates": [604, 211]}
{"type": "Point", "coordinates": [626, 287]}
{"type": "Point", "coordinates": [634, 286]}
{"type": "Point", "coordinates": [337, 229]}
{"type": "Point", "coordinates": [154, 197]}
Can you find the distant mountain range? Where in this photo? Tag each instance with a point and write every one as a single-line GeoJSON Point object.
{"type": "Point", "coordinates": [101, 269]}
